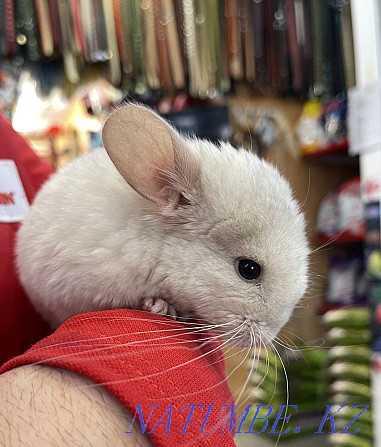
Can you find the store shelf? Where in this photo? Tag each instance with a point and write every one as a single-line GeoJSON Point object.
{"type": "Point", "coordinates": [341, 238]}
{"type": "Point", "coordinates": [340, 147]}
{"type": "Point", "coordinates": [327, 307]}
{"type": "Point", "coordinates": [335, 154]}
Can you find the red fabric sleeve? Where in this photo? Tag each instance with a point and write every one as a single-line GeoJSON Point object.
{"type": "Point", "coordinates": [143, 359]}
{"type": "Point", "coordinates": [20, 325]}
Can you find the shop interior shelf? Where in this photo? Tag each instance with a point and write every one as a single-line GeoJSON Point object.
{"type": "Point", "coordinates": [328, 306]}
{"type": "Point", "coordinates": [342, 238]}
{"type": "Point", "coordinates": [336, 154]}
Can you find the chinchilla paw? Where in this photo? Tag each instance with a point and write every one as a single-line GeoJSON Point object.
{"type": "Point", "coordinates": [160, 307]}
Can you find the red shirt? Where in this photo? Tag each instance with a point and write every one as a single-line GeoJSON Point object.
{"type": "Point", "coordinates": [20, 325]}
{"type": "Point", "coordinates": [149, 361]}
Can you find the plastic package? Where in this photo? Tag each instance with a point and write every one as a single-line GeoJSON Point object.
{"type": "Point", "coordinates": [328, 218]}
{"type": "Point", "coordinates": [310, 129]}
{"type": "Point", "coordinates": [342, 211]}
{"type": "Point", "coordinates": [322, 124]}
{"type": "Point", "coordinates": [346, 281]}
{"type": "Point", "coordinates": [334, 119]}
{"type": "Point", "coordinates": [350, 207]}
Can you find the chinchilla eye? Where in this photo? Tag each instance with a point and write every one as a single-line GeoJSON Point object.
{"type": "Point", "coordinates": [248, 269]}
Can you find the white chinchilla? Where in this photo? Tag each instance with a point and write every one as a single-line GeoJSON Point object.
{"type": "Point", "coordinates": [168, 224]}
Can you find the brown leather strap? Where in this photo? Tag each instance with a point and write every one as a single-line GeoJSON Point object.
{"type": "Point", "coordinates": [119, 31]}
{"type": "Point", "coordinates": [150, 44]}
{"type": "Point", "coordinates": [77, 24]}
{"type": "Point", "coordinates": [165, 72]}
{"type": "Point", "coordinates": [43, 20]}
{"type": "Point", "coordinates": [175, 60]}
{"type": "Point", "coordinates": [234, 41]}
{"type": "Point", "coordinates": [10, 26]}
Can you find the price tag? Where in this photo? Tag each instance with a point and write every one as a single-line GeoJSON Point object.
{"type": "Point", "coordinates": [13, 201]}
{"type": "Point", "coordinates": [364, 118]}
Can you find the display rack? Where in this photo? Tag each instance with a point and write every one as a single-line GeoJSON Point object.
{"type": "Point", "coordinates": [366, 16]}
{"type": "Point", "coordinates": [335, 154]}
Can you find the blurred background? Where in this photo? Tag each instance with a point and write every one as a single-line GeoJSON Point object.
{"type": "Point", "coordinates": [277, 77]}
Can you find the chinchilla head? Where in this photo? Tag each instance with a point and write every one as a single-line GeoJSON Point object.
{"type": "Point", "coordinates": [234, 251]}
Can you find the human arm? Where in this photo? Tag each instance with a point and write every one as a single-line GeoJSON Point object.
{"type": "Point", "coordinates": [43, 406]}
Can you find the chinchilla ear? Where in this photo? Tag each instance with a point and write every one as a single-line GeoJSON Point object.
{"type": "Point", "coordinates": [150, 155]}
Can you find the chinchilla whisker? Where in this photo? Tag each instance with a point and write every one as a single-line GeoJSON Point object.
{"type": "Point", "coordinates": [328, 243]}
{"type": "Point", "coordinates": [175, 346]}
{"type": "Point", "coordinates": [287, 389]}
{"type": "Point", "coordinates": [267, 361]}
{"type": "Point", "coordinates": [262, 344]}
{"type": "Point", "coordinates": [159, 320]}
{"type": "Point", "coordinates": [235, 353]}
{"type": "Point", "coordinates": [112, 345]}
{"type": "Point", "coordinates": [305, 345]}
{"type": "Point", "coordinates": [194, 330]}
{"type": "Point", "coordinates": [148, 320]}
{"type": "Point", "coordinates": [267, 371]}
{"type": "Point", "coordinates": [143, 349]}
{"type": "Point", "coordinates": [162, 322]}
{"type": "Point", "coordinates": [302, 205]}
{"type": "Point", "coordinates": [249, 375]}
{"type": "Point", "coordinates": [234, 330]}
{"type": "Point", "coordinates": [232, 352]}
{"type": "Point", "coordinates": [238, 352]}
{"type": "Point", "coordinates": [317, 275]}
{"type": "Point", "coordinates": [218, 336]}
{"type": "Point", "coordinates": [88, 342]}
{"type": "Point", "coordinates": [256, 359]}
{"type": "Point", "coordinates": [301, 306]}
{"type": "Point", "coordinates": [220, 382]}
{"type": "Point", "coordinates": [287, 343]}
{"type": "Point", "coordinates": [293, 351]}
{"type": "Point", "coordinates": [226, 342]}
{"type": "Point", "coordinates": [172, 368]}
